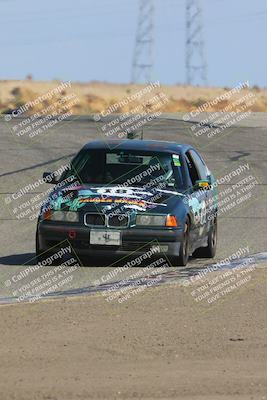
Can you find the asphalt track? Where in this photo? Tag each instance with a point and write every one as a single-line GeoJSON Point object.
{"type": "Point", "coordinates": [23, 161]}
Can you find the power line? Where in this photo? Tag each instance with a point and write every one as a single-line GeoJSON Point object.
{"type": "Point", "coordinates": [195, 63]}
{"type": "Point", "coordinates": [144, 43]}
{"type": "Point", "coordinates": [196, 68]}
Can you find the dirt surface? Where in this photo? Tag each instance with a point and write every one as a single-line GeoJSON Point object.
{"type": "Point", "coordinates": [97, 96]}
{"type": "Point", "coordinates": [159, 344]}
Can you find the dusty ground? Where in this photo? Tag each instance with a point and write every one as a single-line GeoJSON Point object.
{"type": "Point", "coordinates": [159, 344]}
{"type": "Point", "coordinates": [94, 97]}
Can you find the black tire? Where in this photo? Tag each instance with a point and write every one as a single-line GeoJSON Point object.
{"type": "Point", "coordinates": [38, 255]}
{"type": "Point", "coordinates": [183, 257]}
{"type": "Point", "coordinates": [210, 250]}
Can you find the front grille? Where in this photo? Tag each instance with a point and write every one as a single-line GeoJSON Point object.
{"type": "Point", "coordinates": [94, 219]}
{"type": "Point", "coordinates": [117, 221]}
{"type": "Point", "coordinates": [111, 221]}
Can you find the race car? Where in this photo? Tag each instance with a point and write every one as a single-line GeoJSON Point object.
{"type": "Point", "coordinates": [121, 197]}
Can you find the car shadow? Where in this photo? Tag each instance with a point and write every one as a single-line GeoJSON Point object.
{"type": "Point", "coordinates": [18, 259]}
{"type": "Point", "coordinates": [29, 259]}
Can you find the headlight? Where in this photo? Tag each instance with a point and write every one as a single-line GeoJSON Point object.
{"type": "Point", "coordinates": [151, 220]}
{"type": "Point", "coordinates": [57, 216]}
{"type": "Point", "coordinates": [66, 216]}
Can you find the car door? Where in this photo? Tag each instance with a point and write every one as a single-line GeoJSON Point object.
{"type": "Point", "coordinates": [198, 199]}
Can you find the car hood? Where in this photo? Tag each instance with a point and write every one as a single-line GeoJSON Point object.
{"type": "Point", "coordinates": [105, 198]}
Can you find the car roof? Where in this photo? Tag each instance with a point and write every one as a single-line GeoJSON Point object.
{"type": "Point", "coordinates": [135, 144]}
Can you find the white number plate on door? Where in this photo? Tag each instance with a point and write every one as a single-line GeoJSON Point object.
{"type": "Point", "coordinates": [109, 238]}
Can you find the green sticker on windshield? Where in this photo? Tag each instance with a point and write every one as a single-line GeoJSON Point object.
{"type": "Point", "coordinates": [176, 160]}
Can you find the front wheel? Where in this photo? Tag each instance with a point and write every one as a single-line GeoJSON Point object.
{"type": "Point", "coordinates": [38, 255]}
{"type": "Point", "coordinates": [183, 257]}
{"type": "Point", "coordinates": [210, 250]}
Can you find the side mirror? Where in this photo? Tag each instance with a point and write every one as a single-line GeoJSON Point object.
{"type": "Point", "coordinates": [202, 184]}
{"type": "Point", "coordinates": [49, 177]}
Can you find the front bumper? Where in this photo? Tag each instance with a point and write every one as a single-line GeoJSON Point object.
{"type": "Point", "coordinates": [134, 240]}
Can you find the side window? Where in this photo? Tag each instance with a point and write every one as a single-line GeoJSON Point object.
{"type": "Point", "coordinates": [193, 172]}
{"type": "Point", "coordinates": [200, 166]}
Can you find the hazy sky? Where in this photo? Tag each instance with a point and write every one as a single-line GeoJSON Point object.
{"type": "Point", "coordinates": [85, 40]}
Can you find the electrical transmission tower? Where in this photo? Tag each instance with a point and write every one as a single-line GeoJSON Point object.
{"type": "Point", "coordinates": [143, 53]}
{"type": "Point", "coordinates": [196, 67]}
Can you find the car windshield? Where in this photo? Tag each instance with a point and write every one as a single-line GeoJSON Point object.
{"type": "Point", "coordinates": [130, 168]}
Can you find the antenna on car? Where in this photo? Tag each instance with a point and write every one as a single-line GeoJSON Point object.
{"type": "Point", "coordinates": [135, 134]}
